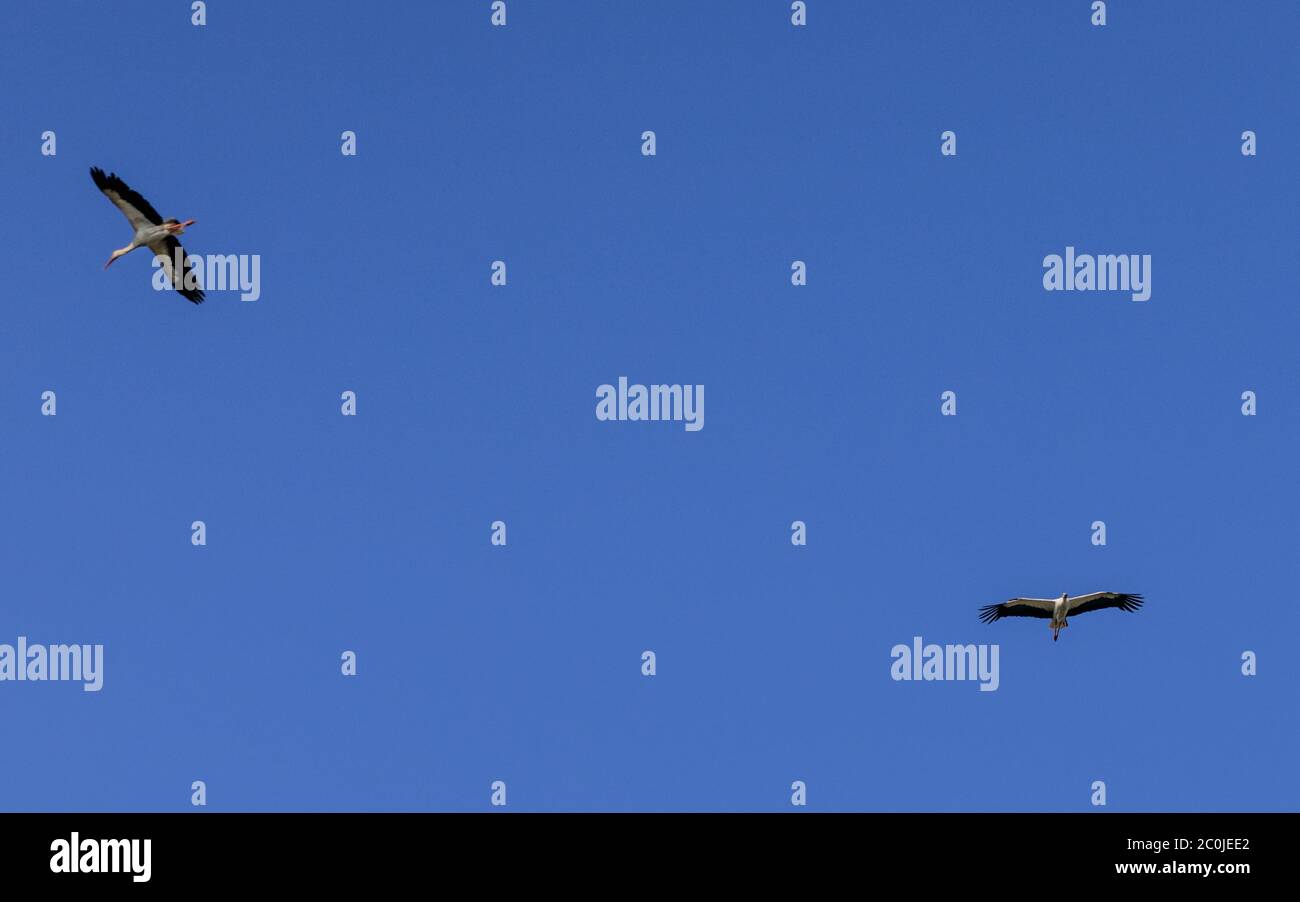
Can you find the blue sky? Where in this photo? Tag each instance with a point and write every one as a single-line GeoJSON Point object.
{"type": "Point", "coordinates": [476, 403]}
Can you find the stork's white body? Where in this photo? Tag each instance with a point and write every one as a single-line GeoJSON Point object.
{"type": "Point", "coordinates": [1060, 610]}
{"type": "Point", "coordinates": [145, 236]}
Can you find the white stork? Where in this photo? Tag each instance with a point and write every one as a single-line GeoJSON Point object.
{"type": "Point", "coordinates": [151, 231]}
{"type": "Point", "coordinates": [1058, 609]}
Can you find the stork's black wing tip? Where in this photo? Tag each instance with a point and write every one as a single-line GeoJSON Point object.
{"type": "Point", "coordinates": [109, 181]}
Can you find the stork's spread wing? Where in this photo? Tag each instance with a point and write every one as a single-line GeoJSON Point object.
{"type": "Point", "coordinates": [1082, 604]}
{"type": "Point", "coordinates": [167, 250]}
{"type": "Point", "coordinates": [134, 207]}
{"type": "Point", "coordinates": [1018, 607]}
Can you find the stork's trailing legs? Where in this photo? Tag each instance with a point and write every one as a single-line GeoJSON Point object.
{"type": "Point", "coordinates": [118, 253]}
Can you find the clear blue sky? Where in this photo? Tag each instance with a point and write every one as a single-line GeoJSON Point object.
{"type": "Point", "coordinates": [476, 403]}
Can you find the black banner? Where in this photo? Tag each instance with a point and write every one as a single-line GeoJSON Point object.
{"type": "Point", "coordinates": [214, 850]}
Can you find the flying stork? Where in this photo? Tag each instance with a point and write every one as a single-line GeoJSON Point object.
{"type": "Point", "coordinates": [151, 231]}
{"type": "Point", "coordinates": [1058, 609]}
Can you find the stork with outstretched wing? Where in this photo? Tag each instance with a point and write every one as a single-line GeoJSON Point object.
{"type": "Point", "coordinates": [151, 231]}
{"type": "Point", "coordinates": [1059, 609]}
